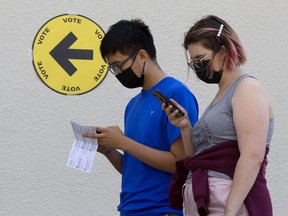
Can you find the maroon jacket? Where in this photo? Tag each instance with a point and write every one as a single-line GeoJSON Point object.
{"type": "Point", "coordinates": [222, 158]}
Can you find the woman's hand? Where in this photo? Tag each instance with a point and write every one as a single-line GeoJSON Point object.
{"type": "Point", "coordinates": [180, 122]}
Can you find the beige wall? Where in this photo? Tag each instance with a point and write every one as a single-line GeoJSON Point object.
{"type": "Point", "coordinates": [35, 132]}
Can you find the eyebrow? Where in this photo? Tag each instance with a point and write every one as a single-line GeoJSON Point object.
{"type": "Point", "coordinates": [197, 57]}
{"type": "Point", "coordinates": [116, 62]}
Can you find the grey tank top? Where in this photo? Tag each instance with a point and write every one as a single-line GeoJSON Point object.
{"type": "Point", "coordinates": [216, 124]}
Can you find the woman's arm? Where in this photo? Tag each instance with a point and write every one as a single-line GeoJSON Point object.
{"type": "Point", "coordinates": [184, 124]}
{"type": "Point", "coordinates": [250, 106]}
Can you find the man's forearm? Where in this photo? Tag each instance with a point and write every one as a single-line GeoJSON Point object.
{"type": "Point", "coordinates": [115, 158]}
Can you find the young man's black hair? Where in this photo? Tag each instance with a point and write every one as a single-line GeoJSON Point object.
{"type": "Point", "coordinates": [127, 37]}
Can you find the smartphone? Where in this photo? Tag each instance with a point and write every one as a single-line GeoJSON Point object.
{"type": "Point", "coordinates": [161, 97]}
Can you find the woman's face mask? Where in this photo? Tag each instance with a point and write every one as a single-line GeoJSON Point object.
{"type": "Point", "coordinates": [202, 71]}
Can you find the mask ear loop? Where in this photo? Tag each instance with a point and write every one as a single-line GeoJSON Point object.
{"type": "Point", "coordinates": [143, 69]}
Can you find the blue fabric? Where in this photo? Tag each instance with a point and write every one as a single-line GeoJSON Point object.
{"type": "Point", "coordinates": [144, 188]}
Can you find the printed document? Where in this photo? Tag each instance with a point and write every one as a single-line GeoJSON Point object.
{"type": "Point", "coordinates": [83, 149]}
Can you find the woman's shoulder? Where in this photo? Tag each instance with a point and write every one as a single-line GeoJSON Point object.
{"type": "Point", "coordinates": [250, 92]}
{"type": "Point", "coordinates": [250, 84]}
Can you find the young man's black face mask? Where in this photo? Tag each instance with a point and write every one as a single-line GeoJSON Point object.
{"type": "Point", "coordinates": [129, 79]}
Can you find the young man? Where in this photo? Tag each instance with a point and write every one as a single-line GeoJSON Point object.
{"type": "Point", "coordinates": [151, 144]}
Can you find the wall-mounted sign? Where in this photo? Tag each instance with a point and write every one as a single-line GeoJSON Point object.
{"type": "Point", "coordinates": [66, 54]}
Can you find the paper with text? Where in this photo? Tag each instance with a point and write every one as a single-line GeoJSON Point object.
{"type": "Point", "coordinates": [83, 149]}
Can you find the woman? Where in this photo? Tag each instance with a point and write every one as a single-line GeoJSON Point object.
{"type": "Point", "coordinates": [227, 148]}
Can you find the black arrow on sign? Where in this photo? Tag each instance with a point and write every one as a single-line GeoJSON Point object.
{"type": "Point", "coordinates": [61, 53]}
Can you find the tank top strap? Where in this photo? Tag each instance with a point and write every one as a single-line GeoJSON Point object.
{"type": "Point", "coordinates": [232, 89]}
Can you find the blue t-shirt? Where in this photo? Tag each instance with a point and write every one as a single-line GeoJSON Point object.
{"type": "Point", "coordinates": [144, 188]}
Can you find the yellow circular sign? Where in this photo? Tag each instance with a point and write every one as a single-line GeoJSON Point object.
{"type": "Point", "coordinates": [66, 54]}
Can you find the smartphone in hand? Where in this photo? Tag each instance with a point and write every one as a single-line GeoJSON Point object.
{"type": "Point", "coordinates": [162, 98]}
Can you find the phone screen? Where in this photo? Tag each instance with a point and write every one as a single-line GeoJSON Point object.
{"type": "Point", "coordinates": [162, 98]}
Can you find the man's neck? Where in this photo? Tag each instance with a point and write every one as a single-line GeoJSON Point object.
{"type": "Point", "coordinates": [152, 76]}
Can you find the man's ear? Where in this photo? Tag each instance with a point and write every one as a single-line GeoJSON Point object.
{"type": "Point", "coordinates": [143, 55]}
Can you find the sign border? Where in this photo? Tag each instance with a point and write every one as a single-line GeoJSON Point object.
{"type": "Point", "coordinates": [33, 63]}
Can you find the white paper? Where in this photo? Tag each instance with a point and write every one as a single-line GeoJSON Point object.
{"type": "Point", "coordinates": [83, 149]}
